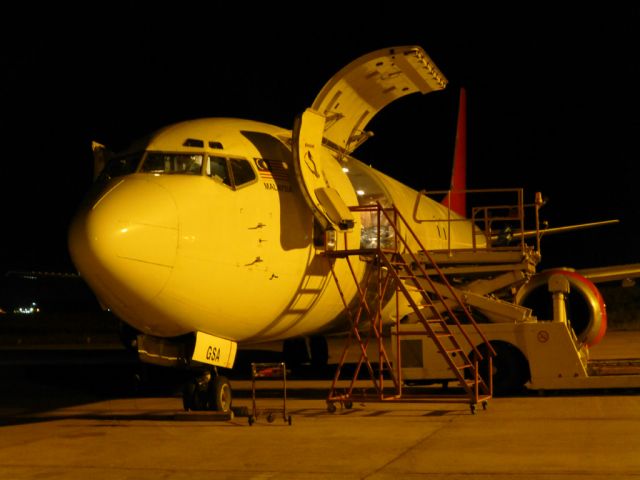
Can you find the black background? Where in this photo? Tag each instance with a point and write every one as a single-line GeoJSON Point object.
{"type": "Point", "coordinates": [552, 101]}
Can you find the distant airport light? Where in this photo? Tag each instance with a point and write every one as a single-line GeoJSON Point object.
{"type": "Point", "coordinates": [29, 310]}
{"type": "Point", "coordinates": [345, 169]}
{"type": "Point", "coordinates": [360, 192]}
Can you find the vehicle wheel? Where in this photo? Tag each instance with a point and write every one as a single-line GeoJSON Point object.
{"type": "Point", "coordinates": [331, 407]}
{"type": "Point", "coordinates": [510, 368]}
{"type": "Point", "coordinates": [221, 394]}
{"type": "Point", "coordinates": [289, 419]}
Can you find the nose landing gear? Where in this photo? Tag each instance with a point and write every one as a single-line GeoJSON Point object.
{"type": "Point", "coordinates": [207, 391]}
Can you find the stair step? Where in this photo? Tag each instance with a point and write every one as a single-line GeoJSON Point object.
{"type": "Point", "coordinates": [472, 383]}
{"type": "Point", "coordinates": [454, 350]}
{"type": "Point", "coordinates": [436, 321]}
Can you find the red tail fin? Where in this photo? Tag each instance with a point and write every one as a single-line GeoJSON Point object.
{"type": "Point", "coordinates": [456, 199]}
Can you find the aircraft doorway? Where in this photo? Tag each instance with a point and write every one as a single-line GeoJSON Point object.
{"type": "Point", "coordinates": [369, 190]}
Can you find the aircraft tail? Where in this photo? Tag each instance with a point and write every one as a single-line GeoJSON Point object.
{"type": "Point", "coordinates": [456, 199]}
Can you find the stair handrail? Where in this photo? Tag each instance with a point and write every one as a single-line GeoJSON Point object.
{"type": "Point", "coordinates": [440, 273]}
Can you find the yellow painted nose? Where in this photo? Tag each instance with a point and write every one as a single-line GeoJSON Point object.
{"type": "Point", "coordinates": [125, 244]}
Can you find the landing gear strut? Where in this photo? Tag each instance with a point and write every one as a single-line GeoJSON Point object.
{"type": "Point", "coordinates": [207, 391]}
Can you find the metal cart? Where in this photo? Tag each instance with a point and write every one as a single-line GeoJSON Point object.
{"type": "Point", "coordinates": [263, 371]}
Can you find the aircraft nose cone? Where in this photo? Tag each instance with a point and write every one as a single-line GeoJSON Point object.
{"type": "Point", "coordinates": [125, 243]}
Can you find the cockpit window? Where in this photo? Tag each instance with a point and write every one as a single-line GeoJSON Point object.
{"type": "Point", "coordinates": [172, 163]}
{"type": "Point", "coordinates": [217, 169]}
{"type": "Point", "coordinates": [121, 165]}
{"type": "Point", "coordinates": [233, 172]}
{"type": "Point", "coordinates": [242, 171]}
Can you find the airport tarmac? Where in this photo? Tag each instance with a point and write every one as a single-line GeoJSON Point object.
{"type": "Point", "coordinates": [54, 431]}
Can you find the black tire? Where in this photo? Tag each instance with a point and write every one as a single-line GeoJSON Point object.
{"type": "Point", "coordinates": [510, 368]}
{"type": "Point", "coordinates": [221, 395]}
{"type": "Point", "coordinates": [190, 397]}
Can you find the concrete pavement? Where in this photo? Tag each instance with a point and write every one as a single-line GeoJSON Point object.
{"type": "Point", "coordinates": [56, 431]}
{"type": "Point", "coordinates": [563, 437]}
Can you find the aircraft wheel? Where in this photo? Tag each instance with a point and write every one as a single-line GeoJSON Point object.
{"type": "Point", "coordinates": [190, 400]}
{"type": "Point", "coordinates": [220, 391]}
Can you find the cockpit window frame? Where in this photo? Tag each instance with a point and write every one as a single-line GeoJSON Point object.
{"type": "Point", "coordinates": [204, 171]}
{"type": "Point", "coordinates": [121, 165]}
{"type": "Point", "coordinates": [147, 153]}
{"type": "Point", "coordinates": [229, 159]}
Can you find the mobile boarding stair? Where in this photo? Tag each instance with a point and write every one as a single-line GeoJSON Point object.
{"type": "Point", "coordinates": [438, 309]}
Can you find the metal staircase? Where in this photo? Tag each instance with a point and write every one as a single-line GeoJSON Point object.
{"type": "Point", "coordinates": [412, 276]}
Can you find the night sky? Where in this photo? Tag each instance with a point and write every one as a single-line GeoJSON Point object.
{"type": "Point", "coordinates": [553, 100]}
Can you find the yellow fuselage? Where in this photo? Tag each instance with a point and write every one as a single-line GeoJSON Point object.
{"type": "Point", "coordinates": [172, 254]}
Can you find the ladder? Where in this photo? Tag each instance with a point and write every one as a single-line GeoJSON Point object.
{"type": "Point", "coordinates": [439, 310]}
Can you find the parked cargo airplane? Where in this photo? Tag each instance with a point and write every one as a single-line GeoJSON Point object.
{"type": "Point", "coordinates": [212, 233]}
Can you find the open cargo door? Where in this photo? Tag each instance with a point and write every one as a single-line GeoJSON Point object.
{"type": "Point", "coordinates": [342, 110]}
{"type": "Point", "coordinates": [328, 207]}
{"type": "Point", "coordinates": [368, 84]}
